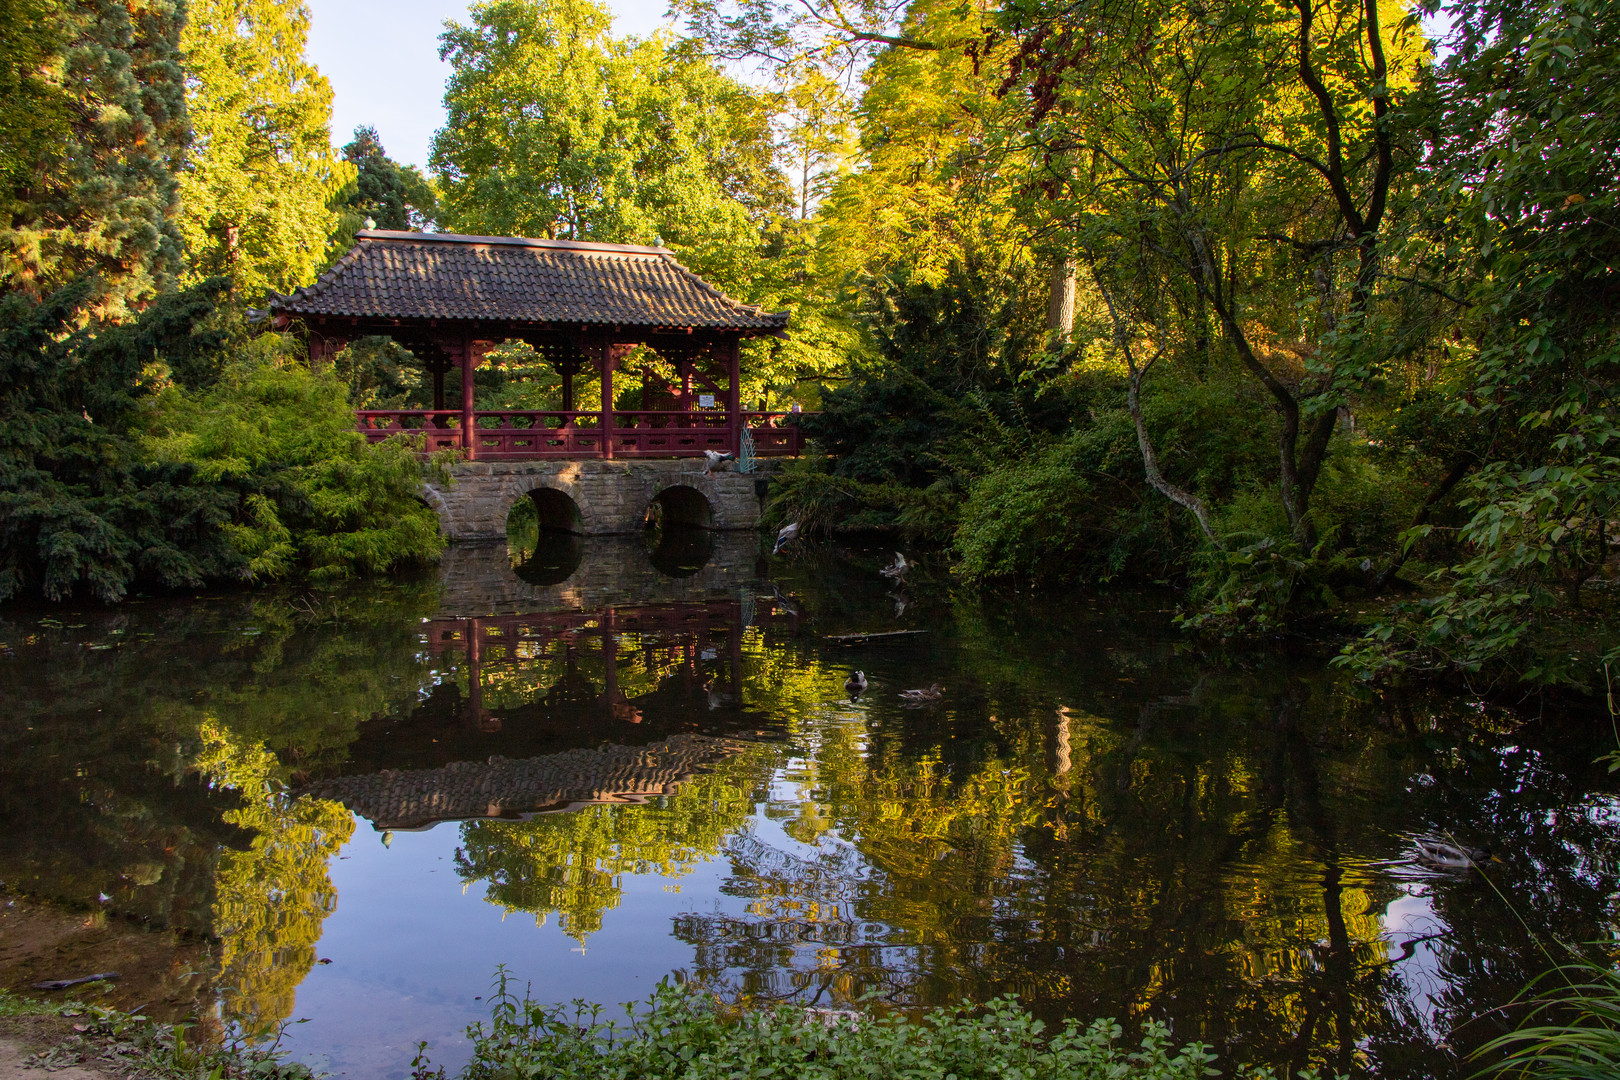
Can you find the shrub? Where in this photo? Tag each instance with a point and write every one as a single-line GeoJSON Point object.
{"type": "Point", "coordinates": [1077, 510]}
{"type": "Point", "coordinates": [315, 496]}
{"type": "Point", "coordinates": [684, 1034]}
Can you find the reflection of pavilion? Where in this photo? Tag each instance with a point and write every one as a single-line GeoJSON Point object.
{"type": "Point", "coordinates": [418, 798]}
{"type": "Point", "coordinates": [534, 713]}
{"type": "Point", "coordinates": [669, 636]}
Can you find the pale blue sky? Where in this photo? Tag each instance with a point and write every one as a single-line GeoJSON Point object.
{"type": "Point", "coordinates": [382, 57]}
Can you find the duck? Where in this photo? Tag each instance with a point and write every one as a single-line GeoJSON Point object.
{"type": "Point", "coordinates": [714, 461]}
{"type": "Point", "coordinates": [855, 685]}
{"type": "Point", "coordinates": [896, 571]}
{"type": "Point", "coordinates": [919, 697]}
{"type": "Point", "coordinates": [1446, 855]}
{"type": "Point", "coordinates": [789, 533]}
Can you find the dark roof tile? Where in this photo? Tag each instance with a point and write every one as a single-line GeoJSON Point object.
{"type": "Point", "coordinates": [403, 275]}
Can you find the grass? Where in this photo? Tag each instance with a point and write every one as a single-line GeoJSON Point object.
{"type": "Point", "coordinates": [1571, 1032]}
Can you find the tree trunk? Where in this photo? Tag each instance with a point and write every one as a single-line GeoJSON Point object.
{"type": "Point", "coordinates": [1060, 303]}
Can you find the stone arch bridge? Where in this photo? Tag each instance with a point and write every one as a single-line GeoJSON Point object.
{"type": "Point", "coordinates": [592, 497]}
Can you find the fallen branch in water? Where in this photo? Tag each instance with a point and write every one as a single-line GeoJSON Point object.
{"type": "Point", "coordinates": [857, 639]}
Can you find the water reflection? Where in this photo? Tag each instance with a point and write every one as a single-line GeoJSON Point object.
{"type": "Point", "coordinates": [666, 776]}
{"type": "Point", "coordinates": [551, 559]}
{"type": "Point", "coordinates": [679, 550]}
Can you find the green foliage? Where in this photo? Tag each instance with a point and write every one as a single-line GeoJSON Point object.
{"type": "Point", "coordinates": [819, 500]}
{"type": "Point", "coordinates": [262, 174]}
{"type": "Point", "coordinates": [316, 497]}
{"type": "Point", "coordinates": [951, 356]}
{"type": "Point", "coordinates": [1073, 512]}
{"type": "Point", "coordinates": [392, 195]}
{"type": "Point", "coordinates": [1571, 1032]}
{"type": "Point", "coordinates": [681, 1034]}
{"type": "Point", "coordinates": [81, 508]}
{"type": "Point", "coordinates": [92, 125]}
{"type": "Point", "coordinates": [558, 129]}
{"type": "Point", "coordinates": [1527, 136]}
{"type": "Point", "coordinates": [34, 108]}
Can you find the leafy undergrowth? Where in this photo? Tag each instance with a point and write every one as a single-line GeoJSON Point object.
{"type": "Point", "coordinates": [128, 1045]}
{"type": "Point", "coordinates": [679, 1033]}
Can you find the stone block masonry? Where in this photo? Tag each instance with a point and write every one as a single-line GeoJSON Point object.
{"type": "Point", "coordinates": [612, 497]}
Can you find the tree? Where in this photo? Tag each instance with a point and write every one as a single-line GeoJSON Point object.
{"type": "Point", "coordinates": [1521, 176]}
{"type": "Point", "coordinates": [34, 108]}
{"type": "Point", "coordinates": [258, 187]}
{"type": "Point", "coordinates": [92, 122]}
{"type": "Point", "coordinates": [81, 508]}
{"type": "Point", "coordinates": [558, 129]}
{"type": "Point", "coordinates": [313, 496]}
{"type": "Point", "coordinates": [817, 136]}
{"type": "Point", "coordinates": [392, 195]}
{"type": "Point", "coordinates": [1234, 164]}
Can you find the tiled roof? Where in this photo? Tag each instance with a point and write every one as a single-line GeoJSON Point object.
{"type": "Point", "coordinates": [502, 787]}
{"type": "Point", "coordinates": [407, 275]}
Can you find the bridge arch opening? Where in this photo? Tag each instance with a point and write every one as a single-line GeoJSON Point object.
{"type": "Point", "coordinates": [680, 507]}
{"type": "Point", "coordinates": [680, 531]}
{"type": "Point", "coordinates": [544, 537]}
{"type": "Point", "coordinates": [556, 511]}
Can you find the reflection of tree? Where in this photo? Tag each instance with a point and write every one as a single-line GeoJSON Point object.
{"type": "Point", "coordinates": [1187, 864]}
{"type": "Point", "coordinates": [570, 863]}
{"type": "Point", "coordinates": [929, 848]}
{"type": "Point", "coordinates": [273, 897]}
{"type": "Point", "coordinates": [98, 790]}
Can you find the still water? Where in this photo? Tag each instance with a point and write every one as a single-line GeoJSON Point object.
{"type": "Point", "coordinates": [605, 767]}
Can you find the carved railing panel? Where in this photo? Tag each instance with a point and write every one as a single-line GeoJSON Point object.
{"type": "Point", "coordinates": [525, 434]}
{"type": "Point", "coordinates": [440, 428]}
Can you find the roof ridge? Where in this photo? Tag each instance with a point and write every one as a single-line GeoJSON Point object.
{"type": "Point", "coordinates": [715, 289]}
{"type": "Point", "coordinates": [395, 235]}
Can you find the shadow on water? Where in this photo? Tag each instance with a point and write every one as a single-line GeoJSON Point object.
{"type": "Point", "coordinates": [551, 559]}
{"type": "Point", "coordinates": [652, 758]}
{"type": "Point", "coordinates": [679, 550]}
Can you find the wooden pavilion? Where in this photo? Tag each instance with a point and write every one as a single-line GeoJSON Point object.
{"type": "Point", "coordinates": [583, 307]}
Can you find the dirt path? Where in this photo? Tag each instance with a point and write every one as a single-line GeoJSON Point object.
{"type": "Point", "coordinates": [22, 1036]}
{"type": "Point", "coordinates": [161, 974]}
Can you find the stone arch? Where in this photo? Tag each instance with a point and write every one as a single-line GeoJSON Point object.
{"type": "Point", "coordinates": [557, 509]}
{"type": "Point", "coordinates": [683, 506]}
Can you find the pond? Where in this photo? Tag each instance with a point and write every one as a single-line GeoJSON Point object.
{"type": "Point", "coordinates": [336, 813]}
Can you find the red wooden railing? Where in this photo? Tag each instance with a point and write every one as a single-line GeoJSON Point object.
{"type": "Point", "coordinates": [522, 434]}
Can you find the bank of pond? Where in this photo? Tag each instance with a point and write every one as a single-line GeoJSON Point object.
{"type": "Point", "coordinates": [330, 816]}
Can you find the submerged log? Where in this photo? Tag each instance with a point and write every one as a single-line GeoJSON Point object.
{"type": "Point", "coordinates": [859, 639]}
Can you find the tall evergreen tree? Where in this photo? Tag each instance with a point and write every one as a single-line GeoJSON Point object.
{"type": "Point", "coordinates": [92, 118]}
{"type": "Point", "coordinates": [259, 187]}
{"type": "Point", "coordinates": [392, 195]}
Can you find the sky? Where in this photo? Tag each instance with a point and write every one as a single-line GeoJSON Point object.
{"type": "Point", "coordinates": [382, 57]}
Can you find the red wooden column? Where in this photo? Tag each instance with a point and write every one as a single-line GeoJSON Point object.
{"type": "Point", "coordinates": [610, 658]}
{"type": "Point", "coordinates": [606, 358]}
{"type": "Point", "coordinates": [468, 443]}
{"type": "Point", "coordinates": [475, 674]}
{"type": "Point", "coordinates": [733, 355]}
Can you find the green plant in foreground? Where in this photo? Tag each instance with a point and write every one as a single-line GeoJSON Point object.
{"type": "Point", "coordinates": [686, 1034]}
{"type": "Point", "coordinates": [1571, 1031]}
